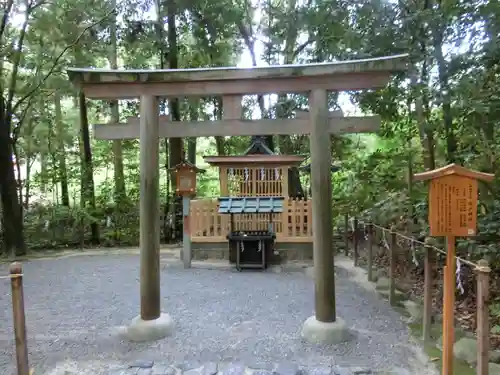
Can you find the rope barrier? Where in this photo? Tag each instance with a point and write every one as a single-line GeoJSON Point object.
{"type": "Point", "coordinates": [413, 240]}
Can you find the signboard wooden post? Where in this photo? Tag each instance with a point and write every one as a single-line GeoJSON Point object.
{"type": "Point", "coordinates": [185, 175]}
{"type": "Point", "coordinates": [452, 213]}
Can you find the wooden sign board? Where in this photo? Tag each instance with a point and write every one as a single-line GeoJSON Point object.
{"type": "Point", "coordinates": [452, 213]}
{"type": "Point", "coordinates": [453, 206]}
{"type": "Point", "coordinates": [453, 196]}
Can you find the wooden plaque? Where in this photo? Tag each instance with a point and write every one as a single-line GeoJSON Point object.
{"type": "Point", "coordinates": [453, 206]}
{"type": "Point", "coordinates": [186, 180]}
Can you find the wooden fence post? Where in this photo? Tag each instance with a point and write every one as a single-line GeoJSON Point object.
{"type": "Point", "coordinates": [16, 282]}
{"type": "Point", "coordinates": [346, 234]}
{"type": "Point", "coordinates": [370, 252]}
{"type": "Point", "coordinates": [186, 253]}
{"type": "Point", "coordinates": [428, 282]}
{"type": "Point", "coordinates": [355, 241]}
{"type": "Point", "coordinates": [392, 267]}
{"type": "Point", "coordinates": [483, 324]}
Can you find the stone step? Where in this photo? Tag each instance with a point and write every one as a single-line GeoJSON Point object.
{"type": "Point", "coordinates": [148, 367]}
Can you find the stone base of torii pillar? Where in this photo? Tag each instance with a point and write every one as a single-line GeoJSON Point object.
{"type": "Point", "coordinates": [317, 332]}
{"type": "Point", "coordinates": [149, 330]}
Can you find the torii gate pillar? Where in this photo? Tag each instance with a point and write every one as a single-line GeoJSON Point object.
{"type": "Point", "coordinates": [324, 326]}
{"type": "Point", "coordinates": [151, 324]}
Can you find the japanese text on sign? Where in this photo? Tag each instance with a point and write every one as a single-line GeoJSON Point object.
{"type": "Point", "coordinates": [453, 206]}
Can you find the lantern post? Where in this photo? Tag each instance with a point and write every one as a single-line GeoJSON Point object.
{"type": "Point", "coordinates": [185, 175]}
{"type": "Point", "coordinates": [453, 196]}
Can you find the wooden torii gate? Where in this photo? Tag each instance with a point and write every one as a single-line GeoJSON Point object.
{"type": "Point", "coordinates": [231, 84]}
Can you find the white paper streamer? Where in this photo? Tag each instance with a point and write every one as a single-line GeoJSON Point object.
{"type": "Point", "coordinates": [459, 278]}
{"type": "Point", "coordinates": [365, 232]}
{"type": "Point", "coordinates": [277, 173]}
{"type": "Point", "coordinates": [231, 172]}
{"type": "Point", "coordinates": [384, 240]}
{"type": "Point", "coordinates": [109, 222]}
{"type": "Point", "coordinates": [413, 254]}
{"type": "Point", "coordinates": [247, 173]}
{"type": "Point", "coordinates": [46, 226]}
{"type": "Point", "coordinates": [262, 174]}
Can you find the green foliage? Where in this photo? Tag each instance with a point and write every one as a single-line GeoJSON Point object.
{"type": "Point", "coordinates": [56, 227]}
{"type": "Point", "coordinates": [495, 313]}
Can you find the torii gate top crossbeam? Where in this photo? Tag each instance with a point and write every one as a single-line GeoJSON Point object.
{"type": "Point", "coordinates": [334, 76]}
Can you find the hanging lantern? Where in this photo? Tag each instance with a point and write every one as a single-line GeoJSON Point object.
{"type": "Point", "coordinates": [185, 175]}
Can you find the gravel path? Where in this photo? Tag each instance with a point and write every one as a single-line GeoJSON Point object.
{"type": "Point", "coordinates": [74, 306]}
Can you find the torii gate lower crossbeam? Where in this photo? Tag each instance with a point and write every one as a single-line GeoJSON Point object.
{"type": "Point", "coordinates": [316, 79]}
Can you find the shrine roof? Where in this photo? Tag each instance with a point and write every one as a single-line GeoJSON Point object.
{"type": "Point", "coordinates": [453, 169]}
{"type": "Point", "coordinates": [258, 147]}
{"type": "Point", "coordinates": [250, 205]}
{"type": "Point", "coordinates": [186, 165]}
{"type": "Point", "coordinates": [255, 159]}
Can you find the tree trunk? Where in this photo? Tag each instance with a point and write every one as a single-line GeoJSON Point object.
{"type": "Point", "coordinates": [219, 141]}
{"type": "Point", "coordinates": [175, 144]}
{"type": "Point", "coordinates": [193, 116]}
{"type": "Point", "coordinates": [451, 141]}
{"type": "Point", "coordinates": [220, 146]}
{"type": "Point", "coordinates": [248, 37]}
{"type": "Point", "coordinates": [27, 185]}
{"type": "Point", "coordinates": [119, 178]}
{"type": "Point", "coordinates": [43, 172]}
{"type": "Point", "coordinates": [13, 235]}
{"type": "Point", "coordinates": [191, 154]}
{"type": "Point", "coordinates": [12, 215]}
{"type": "Point", "coordinates": [29, 159]}
{"type": "Point", "coordinates": [120, 194]}
{"type": "Point", "coordinates": [61, 152]}
{"type": "Point", "coordinates": [425, 134]}
{"type": "Point", "coordinates": [53, 154]}
{"type": "Point", "coordinates": [418, 85]}
{"type": "Point", "coordinates": [168, 227]}
{"type": "Point", "coordinates": [88, 193]}
{"type": "Point", "coordinates": [294, 185]}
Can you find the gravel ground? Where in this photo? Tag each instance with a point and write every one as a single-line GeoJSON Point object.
{"type": "Point", "coordinates": [74, 306]}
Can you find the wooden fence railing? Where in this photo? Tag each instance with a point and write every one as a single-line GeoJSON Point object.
{"type": "Point", "coordinates": [294, 224]}
{"type": "Point", "coordinates": [396, 243]}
